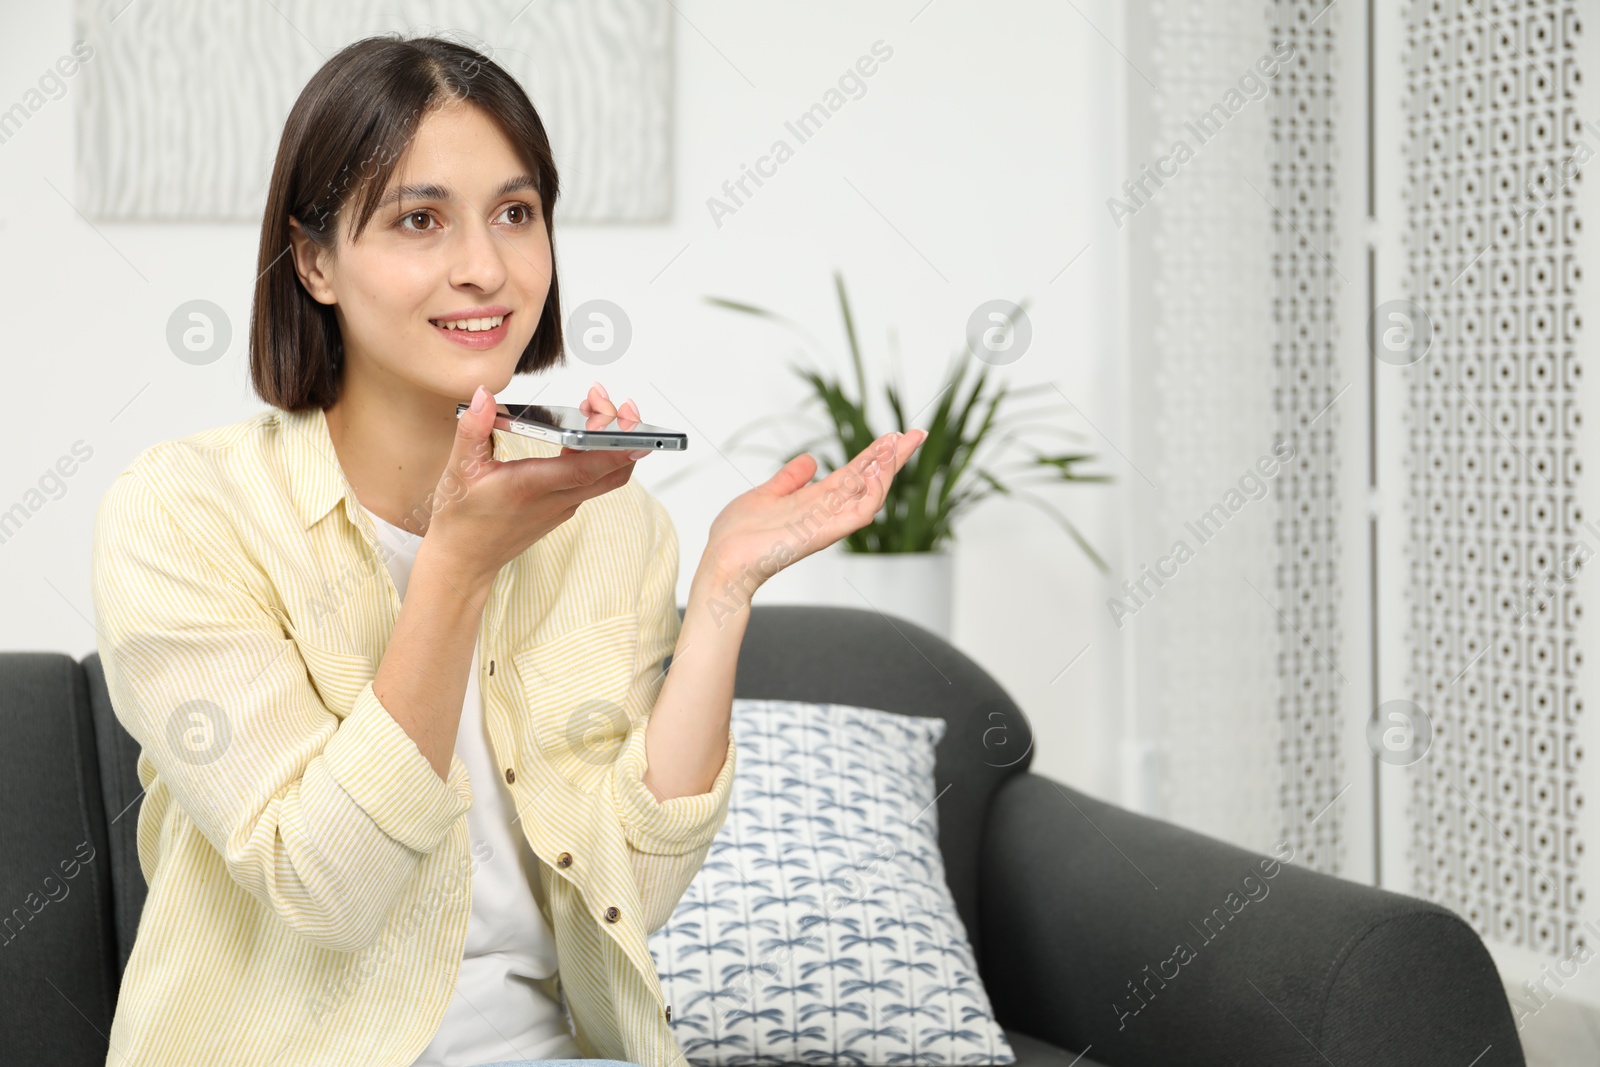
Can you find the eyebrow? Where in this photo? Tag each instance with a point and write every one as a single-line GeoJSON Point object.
{"type": "Point", "coordinates": [429, 191]}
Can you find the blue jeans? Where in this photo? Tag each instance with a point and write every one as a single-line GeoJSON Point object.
{"type": "Point", "coordinates": [560, 1063]}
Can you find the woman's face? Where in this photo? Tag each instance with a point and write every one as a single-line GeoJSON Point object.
{"type": "Point", "coordinates": [460, 236]}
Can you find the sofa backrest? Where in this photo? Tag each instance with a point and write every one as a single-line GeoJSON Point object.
{"type": "Point", "coordinates": [119, 783]}
{"type": "Point", "coordinates": [58, 936]}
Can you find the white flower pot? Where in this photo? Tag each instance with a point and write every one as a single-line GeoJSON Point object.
{"type": "Point", "coordinates": [908, 585]}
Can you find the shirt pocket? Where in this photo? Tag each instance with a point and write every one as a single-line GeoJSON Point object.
{"type": "Point", "coordinates": [577, 696]}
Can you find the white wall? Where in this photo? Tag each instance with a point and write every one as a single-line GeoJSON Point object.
{"type": "Point", "coordinates": [988, 143]}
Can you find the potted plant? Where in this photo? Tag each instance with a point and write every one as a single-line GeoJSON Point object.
{"type": "Point", "coordinates": [901, 561]}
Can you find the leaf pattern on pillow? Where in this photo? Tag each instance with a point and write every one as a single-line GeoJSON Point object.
{"type": "Point", "coordinates": [820, 929]}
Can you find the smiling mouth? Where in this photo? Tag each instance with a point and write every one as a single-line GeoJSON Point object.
{"type": "Point", "coordinates": [482, 325]}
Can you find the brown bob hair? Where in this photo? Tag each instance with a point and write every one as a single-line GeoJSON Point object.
{"type": "Point", "coordinates": [341, 143]}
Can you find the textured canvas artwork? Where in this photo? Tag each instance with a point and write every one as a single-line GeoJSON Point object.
{"type": "Point", "coordinates": [184, 103]}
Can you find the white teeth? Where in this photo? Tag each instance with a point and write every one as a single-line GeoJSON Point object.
{"type": "Point", "coordinates": [471, 325]}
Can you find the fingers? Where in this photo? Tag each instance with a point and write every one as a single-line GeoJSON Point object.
{"type": "Point", "coordinates": [867, 477]}
{"type": "Point", "coordinates": [596, 395]}
{"type": "Point", "coordinates": [602, 462]}
{"type": "Point", "coordinates": [879, 462]}
{"type": "Point", "coordinates": [597, 405]}
{"type": "Point", "coordinates": [591, 474]}
{"type": "Point", "coordinates": [884, 458]}
{"type": "Point", "coordinates": [905, 444]}
{"type": "Point", "coordinates": [601, 411]}
{"type": "Point", "coordinates": [793, 475]}
{"type": "Point", "coordinates": [473, 429]}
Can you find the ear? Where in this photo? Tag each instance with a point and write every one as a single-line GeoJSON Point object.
{"type": "Point", "coordinates": [310, 261]}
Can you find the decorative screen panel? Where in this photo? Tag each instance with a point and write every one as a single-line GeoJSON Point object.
{"type": "Point", "coordinates": [1212, 407]}
{"type": "Point", "coordinates": [1239, 653]}
{"type": "Point", "coordinates": [1308, 288]}
{"type": "Point", "coordinates": [1494, 469]}
{"type": "Point", "coordinates": [1239, 648]}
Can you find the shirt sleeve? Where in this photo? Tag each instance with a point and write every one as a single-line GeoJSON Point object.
{"type": "Point", "coordinates": [321, 819]}
{"type": "Point", "coordinates": [668, 838]}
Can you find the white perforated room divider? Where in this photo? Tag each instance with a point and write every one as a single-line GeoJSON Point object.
{"type": "Point", "coordinates": [1483, 140]}
{"type": "Point", "coordinates": [1371, 258]}
{"type": "Point", "coordinates": [1243, 679]}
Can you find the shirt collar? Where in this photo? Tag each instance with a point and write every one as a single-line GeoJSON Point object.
{"type": "Point", "coordinates": [317, 482]}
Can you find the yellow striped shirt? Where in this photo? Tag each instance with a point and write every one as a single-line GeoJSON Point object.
{"type": "Point", "coordinates": [309, 873]}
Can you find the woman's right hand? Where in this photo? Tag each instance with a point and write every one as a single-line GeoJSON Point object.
{"type": "Point", "coordinates": [489, 511]}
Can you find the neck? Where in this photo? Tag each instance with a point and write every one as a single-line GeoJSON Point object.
{"type": "Point", "coordinates": [393, 444]}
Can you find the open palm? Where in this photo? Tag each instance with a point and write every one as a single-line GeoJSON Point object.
{"type": "Point", "coordinates": [788, 517]}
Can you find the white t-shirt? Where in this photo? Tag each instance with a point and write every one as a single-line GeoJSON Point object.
{"type": "Point", "coordinates": [497, 1013]}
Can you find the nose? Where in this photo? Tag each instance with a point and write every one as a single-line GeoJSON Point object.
{"type": "Point", "coordinates": [477, 258]}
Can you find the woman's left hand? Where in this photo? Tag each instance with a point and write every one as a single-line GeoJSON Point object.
{"type": "Point", "coordinates": [788, 517]}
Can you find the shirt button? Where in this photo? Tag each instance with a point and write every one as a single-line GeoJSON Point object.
{"type": "Point", "coordinates": [613, 913]}
{"type": "Point", "coordinates": [564, 860]}
{"type": "Point", "coordinates": [511, 776]}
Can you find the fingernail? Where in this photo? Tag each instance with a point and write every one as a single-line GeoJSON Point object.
{"type": "Point", "coordinates": [639, 453]}
{"type": "Point", "coordinates": [478, 398]}
{"type": "Point", "coordinates": [872, 469]}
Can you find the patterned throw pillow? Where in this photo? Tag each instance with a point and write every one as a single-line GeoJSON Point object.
{"type": "Point", "coordinates": [820, 929]}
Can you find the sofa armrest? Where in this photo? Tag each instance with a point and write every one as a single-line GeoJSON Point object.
{"type": "Point", "coordinates": [1145, 943]}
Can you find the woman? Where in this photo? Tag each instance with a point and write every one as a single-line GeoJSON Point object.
{"type": "Point", "coordinates": [339, 626]}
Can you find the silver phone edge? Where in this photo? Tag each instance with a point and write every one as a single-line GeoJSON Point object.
{"type": "Point", "coordinates": [593, 439]}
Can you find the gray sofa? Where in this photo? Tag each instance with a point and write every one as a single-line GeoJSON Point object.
{"type": "Point", "coordinates": [1057, 889]}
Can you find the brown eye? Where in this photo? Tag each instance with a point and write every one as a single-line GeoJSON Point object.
{"type": "Point", "coordinates": [415, 215]}
{"type": "Point", "coordinates": [526, 212]}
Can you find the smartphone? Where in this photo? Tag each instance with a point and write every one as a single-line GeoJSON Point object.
{"type": "Point", "coordinates": [568, 426]}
